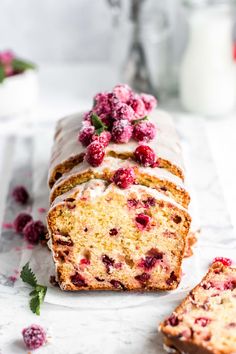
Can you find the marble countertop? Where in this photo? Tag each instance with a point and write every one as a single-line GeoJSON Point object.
{"type": "Point", "coordinates": [112, 329]}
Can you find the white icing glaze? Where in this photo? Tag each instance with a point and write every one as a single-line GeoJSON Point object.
{"type": "Point", "coordinates": [112, 164]}
{"type": "Point", "coordinates": [165, 144]}
{"type": "Point", "coordinates": [95, 188]}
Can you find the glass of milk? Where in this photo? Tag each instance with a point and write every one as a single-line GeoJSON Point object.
{"type": "Point", "coordinates": [208, 71]}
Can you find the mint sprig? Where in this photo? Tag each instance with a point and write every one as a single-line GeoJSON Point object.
{"type": "Point", "coordinates": [136, 121]}
{"type": "Point", "coordinates": [2, 73]}
{"type": "Point", "coordinates": [20, 65]}
{"type": "Point", "coordinates": [98, 124]}
{"type": "Point", "coordinates": [39, 291]}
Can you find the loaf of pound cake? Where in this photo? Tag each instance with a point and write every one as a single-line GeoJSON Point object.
{"type": "Point", "coordinates": [118, 218]}
{"type": "Point", "coordinates": [205, 322]}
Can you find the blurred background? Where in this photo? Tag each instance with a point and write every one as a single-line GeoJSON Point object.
{"type": "Point", "coordinates": [150, 44]}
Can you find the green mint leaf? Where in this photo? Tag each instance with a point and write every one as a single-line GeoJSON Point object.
{"type": "Point", "coordinates": [35, 305]}
{"type": "Point", "coordinates": [97, 123]}
{"type": "Point", "coordinates": [28, 276]}
{"type": "Point", "coordinates": [39, 291]}
{"type": "Point", "coordinates": [99, 131]}
{"type": "Point", "coordinates": [22, 65]}
{"type": "Point", "coordinates": [136, 121]}
{"type": "Point", "coordinates": [2, 73]}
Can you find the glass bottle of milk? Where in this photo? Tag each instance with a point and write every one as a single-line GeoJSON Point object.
{"type": "Point", "coordinates": [207, 72]}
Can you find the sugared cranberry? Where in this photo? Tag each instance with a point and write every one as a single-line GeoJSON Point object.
{"type": "Point", "coordinates": [34, 231]}
{"type": "Point", "coordinates": [78, 280]}
{"type": "Point", "coordinates": [21, 221]}
{"type": "Point", "coordinates": [95, 153]}
{"type": "Point", "coordinates": [142, 221]}
{"type": "Point", "coordinates": [105, 103]}
{"type": "Point", "coordinates": [86, 134]}
{"type": "Point", "coordinates": [143, 278]}
{"type": "Point", "coordinates": [104, 138]}
{"type": "Point", "coordinates": [109, 262]}
{"type": "Point", "coordinates": [225, 261]}
{"type": "Point", "coordinates": [121, 131]}
{"type": "Point", "coordinates": [149, 101]}
{"type": "Point", "coordinates": [117, 284]}
{"type": "Point", "coordinates": [20, 195]}
{"type": "Point", "coordinates": [113, 232]}
{"type": "Point", "coordinates": [87, 116]}
{"type": "Point", "coordinates": [124, 177]}
{"type": "Point", "coordinates": [144, 155]}
{"type": "Point", "coordinates": [138, 106]}
{"type": "Point", "coordinates": [123, 111]}
{"type": "Point", "coordinates": [123, 92]}
{"type": "Point", "coordinates": [144, 131]}
{"type": "Point", "coordinates": [173, 321]}
{"type": "Point", "coordinates": [202, 321]}
{"type": "Point", "coordinates": [34, 336]}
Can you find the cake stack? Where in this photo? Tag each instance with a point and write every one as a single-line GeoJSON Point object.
{"type": "Point", "coordinates": [118, 218]}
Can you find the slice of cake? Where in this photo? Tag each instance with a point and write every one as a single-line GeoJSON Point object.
{"type": "Point", "coordinates": [158, 178]}
{"type": "Point", "coordinates": [107, 238]}
{"type": "Point", "coordinates": [205, 322]}
{"type": "Point", "coordinates": [68, 152]}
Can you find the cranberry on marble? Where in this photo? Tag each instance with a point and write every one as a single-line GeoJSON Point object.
{"type": "Point", "coordinates": [124, 177]}
{"type": "Point", "coordinates": [34, 231]}
{"type": "Point", "coordinates": [21, 221]}
{"type": "Point", "coordinates": [144, 155]}
{"type": "Point", "coordinates": [20, 195]}
{"type": "Point", "coordinates": [34, 336]}
{"type": "Point", "coordinates": [144, 131]}
{"type": "Point", "coordinates": [95, 153]}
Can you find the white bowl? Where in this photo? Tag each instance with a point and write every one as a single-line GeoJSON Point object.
{"type": "Point", "coordinates": [18, 93]}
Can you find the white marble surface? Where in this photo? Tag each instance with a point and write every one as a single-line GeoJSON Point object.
{"type": "Point", "coordinates": [108, 327]}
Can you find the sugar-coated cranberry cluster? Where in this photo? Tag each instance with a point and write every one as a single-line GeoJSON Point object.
{"type": "Point", "coordinates": [118, 116]}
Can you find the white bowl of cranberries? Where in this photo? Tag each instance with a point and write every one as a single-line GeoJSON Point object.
{"type": "Point", "coordinates": [18, 85]}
